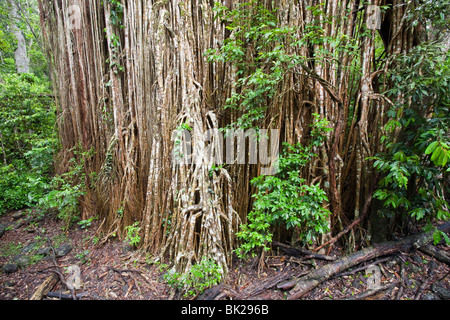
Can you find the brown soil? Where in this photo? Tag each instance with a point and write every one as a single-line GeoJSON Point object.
{"type": "Point", "coordinates": [112, 271]}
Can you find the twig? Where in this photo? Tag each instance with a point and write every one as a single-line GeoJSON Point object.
{"type": "Point", "coordinates": [49, 244]}
{"type": "Point", "coordinates": [131, 270]}
{"type": "Point", "coordinates": [53, 256]}
{"type": "Point", "coordinates": [372, 292]}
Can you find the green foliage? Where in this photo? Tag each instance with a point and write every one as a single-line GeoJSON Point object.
{"type": "Point", "coordinates": [116, 15]}
{"type": "Point", "coordinates": [28, 23]}
{"type": "Point", "coordinates": [27, 113]}
{"type": "Point", "coordinates": [263, 52]}
{"type": "Point", "coordinates": [26, 140]}
{"type": "Point", "coordinates": [434, 13]}
{"type": "Point", "coordinates": [84, 224]}
{"type": "Point", "coordinates": [133, 237]}
{"type": "Point", "coordinates": [415, 168]}
{"type": "Point", "coordinates": [68, 188]}
{"type": "Point", "coordinates": [439, 153]}
{"type": "Point", "coordinates": [286, 199]}
{"type": "Point", "coordinates": [83, 256]}
{"type": "Point", "coordinates": [20, 186]}
{"type": "Point", "coordinates": [199, 278]}
{"type": "Point", "coordinates": [258, 52]}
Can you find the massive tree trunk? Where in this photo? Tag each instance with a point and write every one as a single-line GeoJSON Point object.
{"type": "Point", "coordinates": [129, 73]}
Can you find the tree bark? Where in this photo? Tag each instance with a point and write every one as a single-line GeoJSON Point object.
{"type": "Point", "coordinates": [20, 54]}
{"type": "Point", "coordinates": [45, 287]}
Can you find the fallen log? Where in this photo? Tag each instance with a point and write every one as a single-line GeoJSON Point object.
{"type": "Point", "coordinates": [434, 252]}
{"type": "Point", "coordinates": [289, 284]}
{"type": "Point", "coordinates": [315, 277]}
{"type": "Point", "coordinates": [300, 252]}
{"type": "Point", "coordinates": [211, 293]}
{"type": "Point", "coordinates": [248, 293]}
{"type": "Point", "coordinates": [371, 292]}
{"type": "Point", "coordinates": [45, 287]}
{"type": "Point", "coordinates": [265, 285]}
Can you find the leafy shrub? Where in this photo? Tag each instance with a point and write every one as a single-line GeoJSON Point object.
{"type": "Point", "coordinates": [286, 199]}
{"type": "Point", "coordinates": [260, 73]}
{"type": "Point", "coordinates": [415, 168]}
{"type": "Point", "coordinates": [133, 237]}
{"type": "Point", "coordinates": [68, 188]}
{"type": "Point", "coordinates": [13, 192]}
{"type": "Point", "coordinates": [64, 197]}
{"type": "Point", "coordinates": [84, 224]}
{"type": "Point", "coordinates": [199, 278]}
{"type": "Point", "coordinates": [27, 140]}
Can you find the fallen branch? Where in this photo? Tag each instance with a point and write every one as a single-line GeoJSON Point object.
{"type": "Point", "coordinates": [315, 277]}
{"type": "Point", "coordinates": [371, 292]}
{"type": "Point", "coordinates": [247, 293]}
{"type": "Point", "coordinates": [64, 296]}
{"type": "Point", "coordinates": [45, 287]}
{"type": "Point", "coordinates": [289, 284]}
{"type": "Point", "coordinates": [266, 285]}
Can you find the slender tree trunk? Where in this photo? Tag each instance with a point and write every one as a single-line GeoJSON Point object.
{"type": "Point", "coordinates": [20, 55]}
{"type": "Point", "coordinates": [5, 162]}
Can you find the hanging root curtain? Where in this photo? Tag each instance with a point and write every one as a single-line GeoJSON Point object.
{"type": "Point", "coordinates": [128, 74]}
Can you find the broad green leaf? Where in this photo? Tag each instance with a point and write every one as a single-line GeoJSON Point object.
{"type": "Point", "coordinates": [431, 147]}
{"type": "Point", "coordinates": [436, 154]}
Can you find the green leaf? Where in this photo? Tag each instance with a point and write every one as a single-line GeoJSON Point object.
{"type": "Point", "coordinates": [436, 154]}
{"type": "Point", "coordinates": [444, 161]}
{"type": "Point", "coordinates": [442, 158]}
{"type": "Point", "coordinates": [431, 147]}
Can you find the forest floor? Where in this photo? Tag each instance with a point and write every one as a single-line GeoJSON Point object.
{"type": "Point", "coordinates": [112, 271]}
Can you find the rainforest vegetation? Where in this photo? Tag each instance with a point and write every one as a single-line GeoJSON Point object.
{"type": "Point", "coordinates": [99, 98]}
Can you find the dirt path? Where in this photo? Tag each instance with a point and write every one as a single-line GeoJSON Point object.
{"type": "Point", "coordinates": [113, 271]}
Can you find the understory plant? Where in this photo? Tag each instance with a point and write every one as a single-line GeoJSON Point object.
{"type": "Point", "coordinates": [67, 189]}
{"type": "Point", "coordinates": [200, 277]}
{"type": "Point", "coordinates": [257, 50]}
{"type": "Point", "coordinates": [133, 237]}
{"type": "Point", "coordinates": [287, 199]}
{"type": "Point", "coordinates": [27, 140]}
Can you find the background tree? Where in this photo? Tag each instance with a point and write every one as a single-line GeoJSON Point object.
{"type": "Point", "coordinates": [21, 39]}
{"type": "Point", "coordinates": [27, 138]}
{"type": "Point", "coordinates": [20, 54]}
